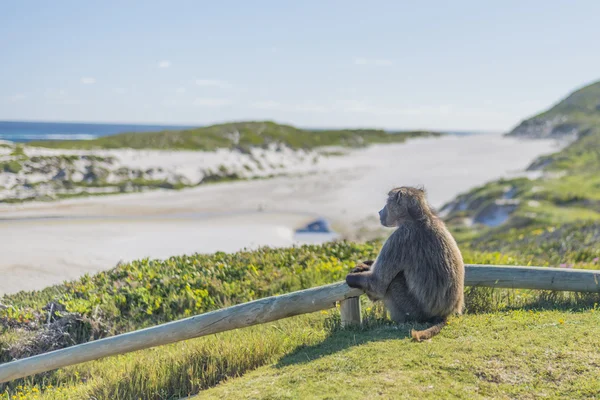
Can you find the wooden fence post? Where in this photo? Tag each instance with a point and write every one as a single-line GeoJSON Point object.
{"type": "Point", "coordinates": [350, 312]}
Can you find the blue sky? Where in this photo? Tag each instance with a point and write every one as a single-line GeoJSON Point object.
{"type": "Point", "coordinates": [460, 65]}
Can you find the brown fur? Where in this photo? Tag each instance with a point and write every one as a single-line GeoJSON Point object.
{"type": "Point", "coordinates": [419, 272]}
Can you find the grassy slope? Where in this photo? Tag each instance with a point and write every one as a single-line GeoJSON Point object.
{"type": "Point", "coordinates": [566, 196]}
{"type": "Point", "coordinates": [581, 111]}
{"type": "Point", "coordinates": [582, 103]}
{"type": "Point", "coordinates": [517, 354]}
{"type": "Point", "coordinates": [144, 293]}
{"type": "Point", "coordinates": [250, 134]}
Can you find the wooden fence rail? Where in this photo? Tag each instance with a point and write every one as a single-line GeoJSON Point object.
{"type": "Point", "coordinates": [278, 307]}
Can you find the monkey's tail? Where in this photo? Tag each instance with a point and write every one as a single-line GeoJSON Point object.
{"type": "Point", "coordinates": [430, 332]}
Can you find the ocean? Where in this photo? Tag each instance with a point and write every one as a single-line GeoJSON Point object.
{"type": "Point", "coordinates": [21, 131]}
{"type": "Point", "coordinates": [17, 131]}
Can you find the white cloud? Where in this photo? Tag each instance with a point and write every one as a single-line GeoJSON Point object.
{"type": "Point", "coordinates": [86, 80]}
{"type": "Point", "coordinates": [120, 90]}
{"type": "Point", "coordinates": [164, 64]}
{"type": "Point", "coordinates": [211, 102]}
{"type": "Point", "coordinates": [180, 90]}
{"type": "Point", "coordinates": [374, 62]}
{"type": "Point", "coordinates": [213, 83]}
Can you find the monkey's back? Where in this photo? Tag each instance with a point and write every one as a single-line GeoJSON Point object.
{"type": "Point", "coordinates": [433, 267]}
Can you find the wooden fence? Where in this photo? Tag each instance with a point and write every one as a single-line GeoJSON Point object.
{"type": "Point", "coordinates": [287, 305]}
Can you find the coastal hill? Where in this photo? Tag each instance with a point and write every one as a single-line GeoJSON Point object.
{"type": "Point", "coordinates": [238, 135]}
{"type": "Point", "coordinates": [173, 159]}
{"type": "Point", "coordinates": [533, 216]}
{"type": "Point", "coordinates": [572, 116]}
{"type": "Point", "coordinates": [576, 119]}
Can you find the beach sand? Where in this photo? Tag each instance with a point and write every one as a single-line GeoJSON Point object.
{"type": "Point", "coordinates": [47, 243]}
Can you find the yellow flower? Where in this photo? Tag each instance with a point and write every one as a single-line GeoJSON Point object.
{"type": "Point", "coordinates": [561, 321]}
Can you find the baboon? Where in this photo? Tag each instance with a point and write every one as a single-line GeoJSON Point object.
{"type": "Point", "coordinates": [419, 272]}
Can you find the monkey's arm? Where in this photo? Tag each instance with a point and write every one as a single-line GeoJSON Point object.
{"type": "Point", "coordinates": [376, 279]}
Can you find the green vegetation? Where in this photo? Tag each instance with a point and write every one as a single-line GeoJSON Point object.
{"type": "Point", "coordinates": [519, 354]}
{"type": "Point", "coordinates": [242, 135]}
{"type": "Point", "coordinates": [148, 292]}
{"type": "Point", "coordinates": [12, 166]}
{"type": "Point", "coordinates": [18, 151]}
{"type": "Point", "coordinates": [578, 113]}
{"type": "Point", "coordinates": [582, 104]}
{"type": "Point", "coordinates": [564, 202]}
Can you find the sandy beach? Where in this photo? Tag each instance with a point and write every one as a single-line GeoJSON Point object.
{"type": "Point", "coordinates": [47, 243]}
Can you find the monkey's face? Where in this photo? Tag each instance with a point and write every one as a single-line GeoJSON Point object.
{"type": "Point", "coordinates": [403, 203]}
{"type": "Point", "coordinates": [383, 214]}
{"type": "Point", "coordinates": [389, 216]}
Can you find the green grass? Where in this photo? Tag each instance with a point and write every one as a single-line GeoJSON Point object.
{"type": "Point", "coordinates": [148, 292]}
{"type": "Point", "coordinates": [509, 352]}
{"type": "Point", "coordinates": [251, 134]}
{"type": "Point", "coordinates": [181, 369]}
{"type": "Point", "coordinates": [582, 156]}
{"type": "Point", "coordinates": [516, 354]}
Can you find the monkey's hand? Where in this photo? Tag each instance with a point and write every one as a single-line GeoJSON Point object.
{"type": "Point", "coordinates": [362, 267]}
{"type": "Point", "coordinates": [354, 280]}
